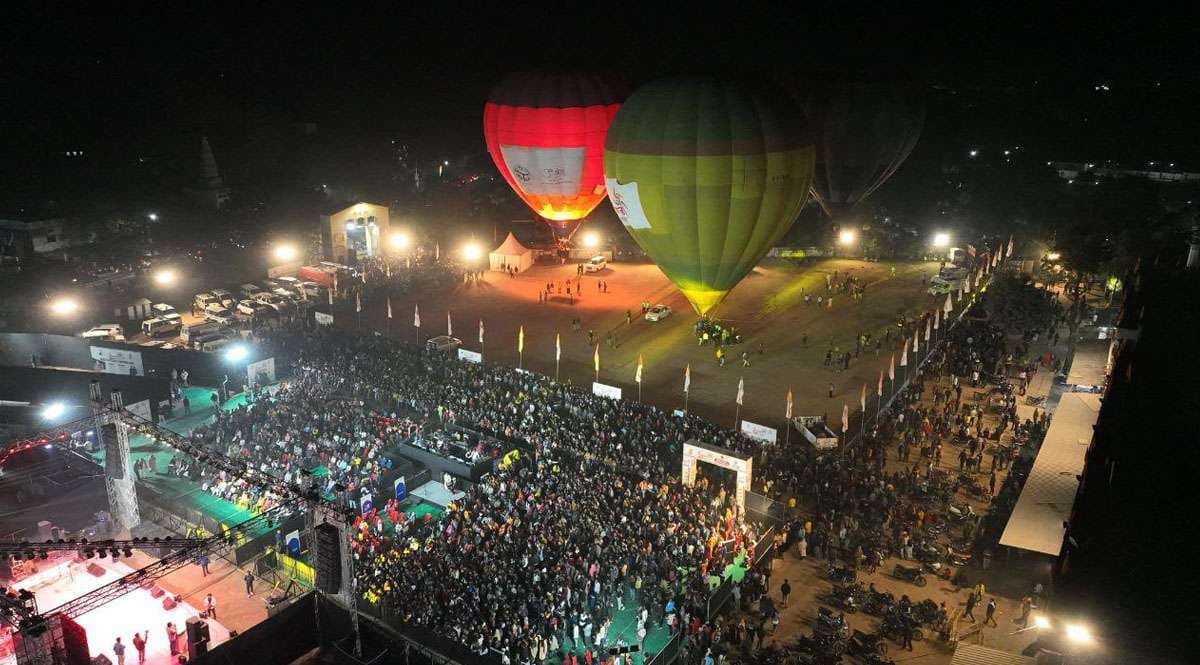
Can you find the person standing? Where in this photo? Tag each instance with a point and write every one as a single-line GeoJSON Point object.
{"type": "Point", "coordinates": [970, 611]}
{"type": "Point", "coordinates": [785, 590]}
{"type": "Point", "coordinates": [183, 377]}
{"type": "Point", "coordinates": [210, 606]}
{"type": "Point", "coordinates": [249, 580]}
{"type": "Point", "coordinates": [203, 561]}
{"type": "Point", "coordinates": [139, 643]}
{"type": "Point", "coordinates": [172, 638]}
{"type": "Point", "coordinates": [990, 615]}
{"type": "Point", "coordinates": [119, 651]}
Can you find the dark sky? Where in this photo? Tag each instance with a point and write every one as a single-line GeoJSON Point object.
{"type": "Point", "coordinates": [118, 77]}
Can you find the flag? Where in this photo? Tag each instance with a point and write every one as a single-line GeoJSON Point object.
{"type": "Point", "coordinates": [788, 413]}
{"type": "Point", "coordinates": [1008, 254]}
{"type": "Point", "coordinates": [960, 294]}
{"type": "Point", "coordinates": [521, 339]}
{"type": "Point", "coordinates": [416, 316]}
{"type": "Point", "coordinates": [330, 292]}
{"type": "Point", "coordinates": [970, 250]}
{"type": "Point", "coordinates": [293, 543]}
{"type": "Point", "coordinates": [357, 303]}
{"type": "Point", "coordinates": [904, 355]}
{"type": "Point", "coordinates": [437, 252]}
{"type": "Point", "coordinates": [928, 327]}
{"type": "Point", "coordinates": [862, 398]}
{"type": "Point", "coordinates": [937, 317]}
{"type": "Point", "coordinates": [335, 282]}
{"type": "Point", "coordinates": [596, 359]}
{"type": "Point", "coordinates": [638, 377]}
{"type": "Point", "coordinates": [480, 331]}
{"type": "Point", "coordinates": [389, 302]}
{"type": "Point", "coordinates": [879, 390]}
{"type": "Point", "coordinates": [916, 341]}
{"type": "Point", "coordinates": [687, 378]}
{"type": "Point", "coordinates": [449, 326]}
{"type": "Point", "coordinates": [741, 390]}
{"type": "Point", "coordinates": [949, 306]}
{"type": "Point", "coordinates": [845, 418]}
{"type": "Point", "coordinates": [966, 286]}
{"type": "Point", "coordinates": [387, 269]}
{"type": "Point", "coordinates": [408, 262]}
{"type": "Point", "coordinates": [892, 368]}
{"type": "Point", "coordinates": [557, 347]}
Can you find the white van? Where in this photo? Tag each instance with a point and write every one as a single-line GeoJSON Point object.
{"type": "Point", "coordinates": [109, 331]}
{"type": "Point", "coordinates": [194, 331]}
{"type": "Point", "coordinates": [160, 327]}
{"type": "Point", "coordinates": [595, 264]}
{"type": "Point", "coordinates": [213, 345]}
{"type": "Point", "coordinates": [249, 290]}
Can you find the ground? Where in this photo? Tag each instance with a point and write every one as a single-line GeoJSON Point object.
{"type": "Point", "coordinates": [767, 307]}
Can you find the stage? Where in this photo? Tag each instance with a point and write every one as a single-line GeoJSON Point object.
{"type": "Point", "coordinates": [64, 579]}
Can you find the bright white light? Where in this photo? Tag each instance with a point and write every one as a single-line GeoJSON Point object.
{"type": "Point", "coordinates": [54, 410]}
{"type": "Point", "coordinates": [153, 216]}
{"type": "Point", "coordinates": [399, 240]}
{"type": "Point", "coordinates": [236, 354]}
{"type": "Point", "coordinates": [286, 252]}
{"type": "Point", "coordinates": [974, 153]}
{"type": "Point", "coordinates": [941, 239]}
{"type": "Point", "coordinates": [846, 237]}
{"type": "Point", "coordinates": [472, 251]}
{"type": "Point", "coordinates": [1078, 634]}
{"type": "Point", "coordinates": [165, 277]}
{"type": "Point", "coordinates": [349, 226]}
{"type": "Point", "coordinates": [591, 240]}
{"type": "Point", "coordinates": [1041, 622]}
{"type": "Point", "coordinates": [64, 306]}
{"type": "Point", "coordinates": [1053, 256]}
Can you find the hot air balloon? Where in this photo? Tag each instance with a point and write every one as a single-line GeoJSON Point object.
{"type": "Point", "coordinates": [545, 132]}
{"type": "Point", "coordinates": [707, 176]}
{"type": "Point", "coordinates": [865, 124]}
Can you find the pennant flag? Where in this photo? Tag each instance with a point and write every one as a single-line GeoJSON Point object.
{"type": "Point", "coordinates": [916, 341]}
{"type": "Point", "coordinates": [1008, 254]}
{"type": "Point", "coordinates": [862, 398]}
{"type": "Point", "coordinates": [928, 327]}
{"type": "Point", "coordinates": [437, 252]}
{"type": "Point", "coordinates": [970, 250]}
{"type": "Point", "coordinates": [596, 359]}
{"type": "Point", "coordinates": [904, 355]}
{"type": "Point", "coordinates": [937, 317]}
{"type": "Point", "coordinates": [521, 339]}
{"type": "Point", "coordinates": [960, 294]}
{"type": "Point", "coordinates": [687, 378]}
{"type": "Point", "coordinates": [638, 377]}
{"type": "Point", "coordinates": [949, 306]}
{"type": "Point", "coordinates": [481, 331]}
{"type": "Point", "coordinates": [879, 390]}
{"type": "Point", "coordinates": [845, 418]}
{"type": "Point", "coordinates": [449, 326]}
{"type": "Point", "coordinates": [389, 302]}
{"type": "Point", "coordinates": [892, 368]}
{"type": "Point", "coordinates": [741, 390]}
{"type": "Point", "coordinates": [966, 286]}
{"type": "Point", "coordinates": [557, 346]}
{"type": "Point", "coordinates": [400, 488]}
{"type": "Point", "coordinates": [387, 269]}
{"type": "Point", "coordinates": [357, 303]}
{"type": "Point", "coordinates": [417, 316]}
{"type": "Point", "coordinates": [408, 263]}
{"type": "Point", "coordinates": [330, 292]}
{"type": "Point", "coordinates": [788, 413]}
{"type": "Point", "coordinates": [293, 543]}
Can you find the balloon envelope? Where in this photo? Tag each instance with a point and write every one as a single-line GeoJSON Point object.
{"type": "Point", "coordinates": [545, 132]}
{"type": "Point", "coordinates": [864, 123]}
{"type": "Point", "coordinates": [707, 176]}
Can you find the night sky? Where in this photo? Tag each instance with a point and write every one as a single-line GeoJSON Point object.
{"type": "Point", "coordinates": [120, 83]}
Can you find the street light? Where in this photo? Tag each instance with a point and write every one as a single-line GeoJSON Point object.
{"type": "Point", "coordinates": [846, 237]}
{"type": "Point", "coordinates": [153, 216]}
{"type": "Point", "coordinates": [399, 240]}
{"type": "Point", "coordinates": [472, 251]}
{"type": "Point", "coordinates": [64, 306]}
{"type": "Point", "coordinates": [1078, 634]}
{"type": "Point", "coordinates": [941, 239]}
{"type": "Point", "coordinates": [591, 240]}
{"type": "Point", "coordinates": [54, 411]}
{"type": "Point", "coordinates": [286, 252]}
{"type": "Point", "coordinates": [165, 277]}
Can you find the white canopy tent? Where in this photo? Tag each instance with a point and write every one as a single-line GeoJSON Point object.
{"type": "Point", "coordinates": [511, 254]}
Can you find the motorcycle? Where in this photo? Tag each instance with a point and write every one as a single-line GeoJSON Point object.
{"type": "Point", "coordinates": [894, 626]}
{"type": "Point", "coordinates": [861, 644]}
{"type": "Point", "coordinates": [839, 575]}
{"type": "Point", "coordinates": [847, 597]}
{"type": "Point", "coordinates": [829, 624]}
{"type": "Point", "coordinates": [822, 644]}
{"type": "Point", "coordinates": [908, 574]}
{"type": "Point", "coordinates": [929, 613]}
{"type": "Point", "coordinates": [956, 557]}
{"type": "Point", "coordinates": [878, 603]}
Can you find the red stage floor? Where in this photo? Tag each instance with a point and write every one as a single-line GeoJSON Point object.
{"type": "Point", "coordinates": [137, 611]}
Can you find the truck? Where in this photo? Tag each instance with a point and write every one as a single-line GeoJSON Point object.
{"type": "Point", "coordinates": [814, 429]}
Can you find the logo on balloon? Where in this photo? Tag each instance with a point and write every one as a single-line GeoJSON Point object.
{"type": "Point", "coordinates": [522, 173]}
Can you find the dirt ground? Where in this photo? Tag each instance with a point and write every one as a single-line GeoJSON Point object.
{"type": "Point", "coordinates": [767, 307]}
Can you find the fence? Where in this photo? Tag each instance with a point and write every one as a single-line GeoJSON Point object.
{"type": "Point", "coordinates": [722, 594]}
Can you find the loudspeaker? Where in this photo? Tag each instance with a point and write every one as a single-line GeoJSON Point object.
{"type": "Point", "coordinates": [632, 648]}
{"type": "Point", "coordinates": [156, 592]}
{"type": "Point", "coordinates": [197, 637]}
{"type": "Point", "coordinates": [95, 570]}
{"type": "Point", "coordinates": [328, 558]}
{"type": "Point", "coordinates": [169, 603]}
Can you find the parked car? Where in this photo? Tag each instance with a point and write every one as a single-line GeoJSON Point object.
{"type": "Point", "coordinates": [249, 290]}
{"type": "Point", "coordinates": [203, 300]}
{"type": "Point", "coordinates": [218, 313]}
{"type": "Point", "coordinates": [443, 343]}
{"type": "Point", "coordinates": [595, 264]}
{"type": "Point", "coordinates": [224, 297]}
{"type": "Point", "coordinates": [313, 289]}
{"type": "Point", "coordinates": [157, 327]}
{"type": "Point", "coordinates": [162, 308]}
{"type": "Point", "coordinates": [107, 331]}
{"type": "Point", "coordinates": [658, 313]}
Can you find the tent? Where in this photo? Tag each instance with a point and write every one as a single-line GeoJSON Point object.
{"type": "Point", "coordinates": [511, 254]}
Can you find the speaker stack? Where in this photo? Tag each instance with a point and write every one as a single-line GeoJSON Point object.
{"type": "Point", "coordinates": [328, 558]}
{"type": "Point", "coordinates": [197, 637]}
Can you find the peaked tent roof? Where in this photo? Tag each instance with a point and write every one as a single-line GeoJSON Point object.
{"type": "Point", "coordinates": [511, 247]}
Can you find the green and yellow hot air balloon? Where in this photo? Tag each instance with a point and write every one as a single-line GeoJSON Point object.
{"type": "Point", "coordinates": [707, 176]}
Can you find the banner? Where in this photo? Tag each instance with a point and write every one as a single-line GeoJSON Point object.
{"type": "Point", "coordinates": [140, 409]}
{"type": "Point", "coordinates": [604, 390]}
{"type": "Point", "coordinates": [400, 488]}
{"type": "Point", "coordinates": [470, 356]}
{"type": "Point", "coordinates": [293, 543]}
{"type": "Point", "coordinates": [261, 373]}
{"type": "Point", "coordinates": [366, 502]}
{"type": "Point", "coordinates": [759, 432]}
{"type": "Point", "coordinates": [323, 319]}
{"type": "Point", "coordinates": [117, 361]}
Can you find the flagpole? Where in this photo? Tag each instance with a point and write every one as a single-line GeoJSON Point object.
{"type": "Point", "coordinates": [685, 401]}
{"type": "Point", "coordinates": [737, 416]}
{"type": "Point", "coordinates": [639, 392]}
{"type": "Point", "coordinates": [557, 361]}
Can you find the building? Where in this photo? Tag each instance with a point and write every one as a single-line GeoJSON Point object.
{"type": "Point", "coordinates": [352, 233]}
{"type": "Point", "coordinates": [1073, 170]}
{"type": "Point", "coordinates": [23, 238]}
